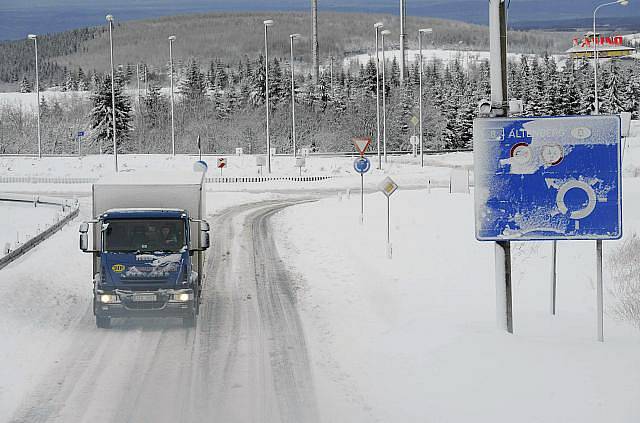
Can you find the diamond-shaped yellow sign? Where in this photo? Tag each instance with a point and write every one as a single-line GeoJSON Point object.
{"type": "Point", "coordinates": [388, 186]}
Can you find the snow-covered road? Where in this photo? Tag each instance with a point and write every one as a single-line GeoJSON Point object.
{"type": "Point", "coordinates": [246, 360]}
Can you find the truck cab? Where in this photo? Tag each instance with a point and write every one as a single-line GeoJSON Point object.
{"type": "Point", "coordinates": [147, 261]}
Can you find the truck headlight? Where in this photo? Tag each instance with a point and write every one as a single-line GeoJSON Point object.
{"type": "Point", "coordinates": [108, 298]}
{"type": "Point", "coordinates": [183, 297]}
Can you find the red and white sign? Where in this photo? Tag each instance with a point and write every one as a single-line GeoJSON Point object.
{"type": "Point", "coordinates": [599, 41]}
{"type": "Point", "coordinates": [362, 144]}
{"type": "Point", "coordinates": [222, 162]}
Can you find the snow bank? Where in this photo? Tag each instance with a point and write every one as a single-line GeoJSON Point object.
{"type": "Point", "coordinates": [413, 339]}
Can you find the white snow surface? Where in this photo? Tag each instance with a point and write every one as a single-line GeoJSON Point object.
{"type": "Point", "coordinates": [408, 339]}
{"type": "Point", "coordinates": [21, 221]}
{"type": "Point", "coordinates": [465, 57]}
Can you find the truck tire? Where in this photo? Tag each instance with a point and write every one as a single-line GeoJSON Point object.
{"type": "Point", "coordinates": [103, 322]}
{"type": "Point", "coordinates": [189, 321]}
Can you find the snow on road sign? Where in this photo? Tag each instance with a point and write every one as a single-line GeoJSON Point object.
{"type": "Point", "coordinates": [362, 165]}
{"type": "Point", "coordinates": [548, 178]}
{"type": "Point", "coordinates": [414, 120]}
{"type": "Point", "coordinates": [414, 139]}
{"type": "Point", "coordinates": [261, 160]}
{"type": "Point", "coordinates": [300, 162]}
{"type": "Point", "coordinates": [361, 144]}
{"type": "Point", "coordinates": [388, 186]}
{"type": "Point", "coordinates": [222, 162]}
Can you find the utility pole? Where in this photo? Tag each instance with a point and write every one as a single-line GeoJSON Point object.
{"type": "Point", "coordinates": [314, 23]}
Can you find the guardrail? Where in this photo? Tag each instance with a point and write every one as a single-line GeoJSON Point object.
{"type": "Point", "coordinates": [242, 179]}
{"type": "Point", "coordinates": [71, 206]}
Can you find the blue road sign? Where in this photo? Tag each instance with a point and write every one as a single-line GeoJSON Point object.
{"type": "Point", "coordinates": [548, 178]}
{"type": "Point", "coordinates": [81, 133]}
{"type": "Point", "coordinates": [362, 165]}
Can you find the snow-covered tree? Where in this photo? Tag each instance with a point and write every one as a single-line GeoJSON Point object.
{"type": "Point", "coordinates": [101, 116]}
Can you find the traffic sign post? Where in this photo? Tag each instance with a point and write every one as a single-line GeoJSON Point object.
{"type": "Point", "coordinates": [362, 165]}
{"type": "Point", "coordinates": [300, 163]}
{"type": "Point", "coordinates": [554, 178]}
{"type": "Point", "coordinates": [79, 136]}
{"type": "Point", "coordinates": [362, 144]}
{"type": "Point", "coordinates": [222, 163]}
{"type": "Point", "coordinates": [260, 162]}
{"type": "Point", "coordinates": [415, 140]}
{"type": "Point", "coordinates": [388, 187]}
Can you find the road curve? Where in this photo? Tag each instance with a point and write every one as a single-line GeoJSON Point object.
{"type": "Point", "coordinates": [246, 361]}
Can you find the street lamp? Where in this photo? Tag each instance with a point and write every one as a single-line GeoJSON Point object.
{"type": "Point", "coordinates": [171, 39]}
{"type": "Point", "coordinates": [293, 97]}
{"type": "Point", "coordinates": [420, 32]}
{"type": "Point", "coordinates": [377, 26]}
{"type": "Point", "coordinates": [35, 43]}
{"type": "Point", "coordinates": [113, 91]}
{"type": "Point", "coordinates": [267, 24]}
{"type": "Point", "coordinates": [384, 100]}
{"type": "Point", "coordinates": [595, 51]}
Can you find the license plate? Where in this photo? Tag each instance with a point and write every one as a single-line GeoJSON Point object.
{"type": "Point", "coordinates": [144, 297]}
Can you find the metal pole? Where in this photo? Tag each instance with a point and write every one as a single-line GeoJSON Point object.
{"type": "Point", "coordinates": [293, 102]}
{"type": "Point", "coordinates": [35, 41]}
{"type": "Point", "coordinates": [362, 198]}
{"type": "Point", "coordinates": [389, 226]}
{"type": "Point", "coordinates": [554, 276]}
{"type": "Point", "coordinates": [384, 105]}
{"type": "Point", "coordinates": [420, 97]}
{"type": "Point", "coordinates": [595, 63]}
{"type": "Point", "coordinates": [332, 90]}
{"type": "Point", "coordinates": [173, 132]}
{"type": "Point", "coordinates": [403, 12]}
{"type": "Point", "coordinates": [600, 299]}
{"type": "Point", "coordinates": [138, 81]}
{"type": "Point", "coordinates": [498, 57]}
{"type": "Point", "coordinates": [377, 26]}
{"type": "Point", "coordinates": [113, 95]}
{"type": "Point", "coordinates": [266, 79]}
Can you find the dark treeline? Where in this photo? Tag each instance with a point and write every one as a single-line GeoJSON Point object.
{"type": "Point", "coordinates": [224, 104]}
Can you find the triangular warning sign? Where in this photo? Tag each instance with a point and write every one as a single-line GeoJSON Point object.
{"type": "Point", "coordinates": [362, 144]}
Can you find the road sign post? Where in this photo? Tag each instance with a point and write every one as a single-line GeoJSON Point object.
{"type": "Point", "coordinates": [553, 178]}
{"type": "Point", "coordinates": [300, 163]}
{"type": "Point", "coordinates": [260, 162]}
{"type": "Point", "coordinates": [222, 163]}
{"type": "Point", "coordinates": [388, 187]}
{"type": "Point", "coordinates": [362, 166]}
{"type": "Point", "coordinates": [79, 136]}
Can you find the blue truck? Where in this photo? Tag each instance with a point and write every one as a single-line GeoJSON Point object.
{"type": "Point", "coordinates": [148, 239]}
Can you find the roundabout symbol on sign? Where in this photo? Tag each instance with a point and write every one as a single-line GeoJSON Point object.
{"type": "Point", "coordinates": [576, 214]}
{"type": "Point", "coordinates": [362, 165]}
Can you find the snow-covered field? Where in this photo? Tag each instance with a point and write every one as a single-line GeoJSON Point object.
{"type": "Point", "coordinates": [408, 339]}
{"type": "Point", "coordinates": [21, 221]}
{"type": "Point", "coordinates": [465, 57]}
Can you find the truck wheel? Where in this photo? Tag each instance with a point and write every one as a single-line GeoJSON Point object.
{"type": "Point", "coordinates": [103, 322]}
{"type": "Point", "coordinates": [190, 320]}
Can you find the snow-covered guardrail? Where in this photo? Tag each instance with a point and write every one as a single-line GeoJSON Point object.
{"type": "Point", "coordinates": [250, 179]}
{"type": "Point", "coordinates": [70, 210]}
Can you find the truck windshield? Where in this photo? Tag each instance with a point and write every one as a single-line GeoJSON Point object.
{"type": "Point", "coordinates": [138, 235]}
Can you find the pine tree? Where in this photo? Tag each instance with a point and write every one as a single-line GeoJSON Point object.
{"type": "Point", "coordinates": [156, 106]}
{"type": "Point", "coordinates": [193, 87]}
{"type": "Point", "coordinates": [101, 117]}
{"type": "Point", "coordinates": [394, 78]}
{"type": "Point", "coordinates": [612, 101]}
{"type": "Point", "coordinates": [25, 86]}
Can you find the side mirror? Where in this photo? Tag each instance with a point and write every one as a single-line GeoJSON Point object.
{"type": "Point", "coordinates": [84, 241]}
{"type": "Point", "coordinates": [204, 244]}
{"type": "Point", "coordinates": [84, 228]}
{"type": "Point", "coordinates": [204, 226]}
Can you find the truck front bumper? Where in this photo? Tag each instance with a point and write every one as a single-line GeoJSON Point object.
{"type": "Point", "coordinates": [128, 304]}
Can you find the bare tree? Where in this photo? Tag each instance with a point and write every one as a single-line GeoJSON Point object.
{"type": "Point", "coordinates": [314, 19]}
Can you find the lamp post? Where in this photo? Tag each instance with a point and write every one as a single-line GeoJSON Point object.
{"type": "Point", "coordinates": [293, 97]}
{"type": "Point", "coordinates": [377, 26]}
{"type": "Point", "coordinates": [171, 39]}
{"type": "Point", "coordinates": [267, 24]}
{"type": "Point", "coordinates": [113, 91]}
{"type": "Point", "coordinates": [595, 51]}
{"type": "Point", "coordinates": [35, 44]}
{"type": "Point", "coordinates": [420, 32]}
{"type": "Point", "coordinates": [384, 100]}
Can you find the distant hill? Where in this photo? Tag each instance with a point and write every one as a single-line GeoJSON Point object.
{"type": "Point", "coordinates": [231, 36]}
{"type": "Point", "coordinates": [19, 17]}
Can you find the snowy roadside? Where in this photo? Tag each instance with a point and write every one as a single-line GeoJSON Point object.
{"type": "Point", "coordinates": [413, 339]}
{"type": "Point", "coordinates": [20, 221]}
